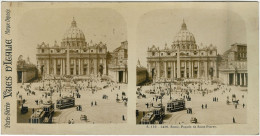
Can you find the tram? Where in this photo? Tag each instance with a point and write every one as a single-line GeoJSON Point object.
{"type": "Point", "coordinates": [149, 118]}
{"type": "Point", "coordinates": [155, 116]}
{"type": "Point", "coordinates": [43, 115]}
{"type": "Point", "coordinates": [176, 105]}
{"type": "Point", "coordinates": [65, 102]}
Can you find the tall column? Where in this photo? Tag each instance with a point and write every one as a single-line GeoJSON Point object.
{"type": "Point", "coordinates": [185, 69]}
{"type": "Point", "coordinates": [215, 69]}
{"type": "Point", "coordinates": [149, 68]}
{"type": "Point", "coordinates": [198, 73]}
{"type": "Point", "coordinates": [234, 79]}
{"type": "Point", "coordinates": [192, 69]}
{"type": "Point", "coordinates": [68, 61]}
{"type": "Point", "coordinates": [206, 69]}
{"type": "Point", "coordinates": [228, 79]}
{"type": "Point", "coordinates": [240, 80]}
{"type": "Point", "coordinates": [54, 66]}
{"type": "Point", "coordinates": [48, 66]}
{"type": "Point", "coordinates": [165, 69]}
{"type": "Point", "coordinates": [189, 69]}
{"type": "Point", "coordinates": [158, 70]}
{"type": "Point", "coordinates": [243, 79]}
{"type": "Point", "coordinates": [104, 67]}
{"type": "Point", "coordinates": [60, 60]}
{"type": "Point", "coordinates": [88, 61]}
{"type": "Point", "coordinates": [64, 67]}
{"type": "Point", "coordinates": [178, 64]}
{"type": "Point", "coordinates": [245, 82]}
{"type": "Point", "coordinates": [79, 67]}
{"type": "Point", "coordinates": [74, 68]}
{"type": "Point", "coordinates": [95, 66]}
{"type": "Point", "coordinates": [174, 73]}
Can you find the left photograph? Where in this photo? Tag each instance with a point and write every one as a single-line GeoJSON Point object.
{"type": "Point", "coordinates": [72, 67]}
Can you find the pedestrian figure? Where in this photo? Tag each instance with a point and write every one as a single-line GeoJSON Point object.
{"type": "Point", "coordinates": [33, 110]}
{"type": "Point", "coordinates": [95, 103]}
{"type": "Point", "coordinates": [236, 106]}
{"type": "Point", "coordinates": [243, 105]}
{"type": "Point", "coordinates": [234, 121]}
{"type": "Point", "coordinates": [91, 103]}
{"type": "Point", "coordinates": [69, 122]}
{"type": "Point", "coordinates": [206, 106]}
{"type": "Point", "coordinates": [202, 106]}
{"type": "Point", "coordinates": [72, 121]}
{"type": "Point", "coordinates": [123, 117]}
{"type": "Point", "coordinates": [217, 99]}
{"type": "Point", "coordinates": [153, 98]}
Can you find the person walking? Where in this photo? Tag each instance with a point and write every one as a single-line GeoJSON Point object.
{"type": "Point", "coordinates": [243, 105]}
{"type": "Point", "coordinates": [206, 106]}
{"type": "Point", "coordinates": [202, 106]}
{"type": "Point", "coordinates": [234, 121]}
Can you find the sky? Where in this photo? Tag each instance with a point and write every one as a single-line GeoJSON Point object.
{"type": "Point", "coordinates": [218, 27]}
{"type": "Point", "coordinates": [48, 25]}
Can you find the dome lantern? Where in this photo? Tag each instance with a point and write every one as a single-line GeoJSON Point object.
{"type": "Point", "coordinates": [183, 26]}
{"type": "Point", "coordinates": [73, 23]}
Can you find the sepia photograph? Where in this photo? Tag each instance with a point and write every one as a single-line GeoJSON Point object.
{"type": "Point", "coordinates": [192, 70]}
{"type": "Point", "coordinates": [129, 68]}
{"type": "Point", "coordinates": [72, 67]}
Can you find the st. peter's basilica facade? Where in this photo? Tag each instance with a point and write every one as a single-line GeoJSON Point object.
{"type": "Point", "coordinates": [74, 56]}
{"type": "Point", "coordinates": [183, 59]}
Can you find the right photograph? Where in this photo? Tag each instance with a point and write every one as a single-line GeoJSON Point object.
{"type": "Point", "coordinates": [191, 66]}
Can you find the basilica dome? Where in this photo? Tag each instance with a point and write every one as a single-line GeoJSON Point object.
{"type": "Point", "coordinates": [74, 33]}
{"type": "Point", "coordinates": [184, 35]}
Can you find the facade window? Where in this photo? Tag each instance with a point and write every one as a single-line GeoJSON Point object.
{"type": "Point", "coordinates": [169, 53]}
{"type": "Point", "coordinates": [202, 53]}
{"type": "Point", "coordinates": [210, 52]}
{"type": "Point", "coordinates": [51, 51]}
{"type": "Point", "coordinates": [100, 50]}
{"type": "Point", "coordinates": [187, 54]}
{"type": "Point", "coordinates": [153, 53]}
{"type": "Point", "coordinates": [161, 54]}
{"type": "Point", "coordinates": [91, 50]}
{"type": "Point", "coordinates": [42, 50]}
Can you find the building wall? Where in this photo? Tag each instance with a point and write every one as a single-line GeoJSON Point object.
{"type": "Point", "coordinates": [141, 76]}
{"type": "Point", "coordinates": [233, 67]}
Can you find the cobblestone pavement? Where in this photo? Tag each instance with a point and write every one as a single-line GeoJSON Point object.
{"type": "Point", "coordinates": [106, 110]}
{"type": "Point", "coordinates": [216, 113]}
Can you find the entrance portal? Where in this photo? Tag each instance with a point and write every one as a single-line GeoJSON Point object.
{"type": "Point", "coordinates": [120, 76]}
{"type": "Point", "coordinates": [19, 73]}
{"type": "Point", "coordinates": [231, 79]}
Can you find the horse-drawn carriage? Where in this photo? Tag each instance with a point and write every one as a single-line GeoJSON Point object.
{"type": "Point", "coordinates": [83, 117]}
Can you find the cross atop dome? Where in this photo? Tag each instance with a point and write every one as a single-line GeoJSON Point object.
{"type": "Point", "coordinates": [183, 26]}
{"type": "Point", "coordinates": [74, 23]}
